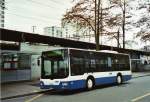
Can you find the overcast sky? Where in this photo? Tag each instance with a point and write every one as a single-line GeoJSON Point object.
{"type": "Point", "coordinates": [21, 15]}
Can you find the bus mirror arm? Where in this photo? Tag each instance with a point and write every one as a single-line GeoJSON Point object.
{"type": "Point", "coordinates": [38, 60]}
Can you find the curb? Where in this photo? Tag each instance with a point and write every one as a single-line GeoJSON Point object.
{"type": "Point", "coordinates": [141, 76]}
{"type": "Point", "coordinates": [27, 94]}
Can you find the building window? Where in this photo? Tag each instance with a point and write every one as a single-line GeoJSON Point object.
{"type": "Point", "coordinates": [15, 61]}
{"type": "Point", "coordinates": [9, 61]}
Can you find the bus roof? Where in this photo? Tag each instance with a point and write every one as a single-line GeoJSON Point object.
{"type": "Point", "coordinates": [102, 51]}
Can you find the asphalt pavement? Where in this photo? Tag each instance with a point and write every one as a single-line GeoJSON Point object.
{"type": "Point", "coordinates": [136, 90]}
{"type": "Point", "coordinates": [21, 89]}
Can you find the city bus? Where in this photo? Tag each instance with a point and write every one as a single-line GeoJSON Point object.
{"type": "Point", "coordinates": [70, 68]}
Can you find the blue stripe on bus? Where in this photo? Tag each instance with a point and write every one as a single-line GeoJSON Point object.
{"type": "Point", "coordinates": [127, 77]}
{"type": "Point", "coordinates": [77, 84]}
{"type": "Point", "coordinates": [105, 80]}
{"type": "Point", "coordinates": [108, 80]}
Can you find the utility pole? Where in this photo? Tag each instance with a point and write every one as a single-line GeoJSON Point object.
{"type": "Point", "coordinates": [118, 38]}
{"type": "Point", "coordinates": [96, 24]}
{"type": "Point", "coordinates": [33, 29]}
{"type": "Point", "coordinates": [98, 21]}
{"type": "Point", "coordinates": [101, 21]}
{"type": "Point", "coordinates": [123, 24]}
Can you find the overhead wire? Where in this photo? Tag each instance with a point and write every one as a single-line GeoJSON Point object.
{"type": "Point", "coordinates": [56, 2]}
{"type": "Point", "coordinates": [38, 15]}
{"type": "Point", "coordinates": [31, 10]}
{"type": "Point", "coordinates": [42, 4]}
{"type": "Point", "coordinates": [31, 17]}
{"type": "Point", "coordinates": [42, 18]}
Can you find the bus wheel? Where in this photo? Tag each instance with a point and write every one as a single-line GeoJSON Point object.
{"type": "Point", "coordinates": [89, 84]}
{"type": "Point", "coordinates": [119, 79]}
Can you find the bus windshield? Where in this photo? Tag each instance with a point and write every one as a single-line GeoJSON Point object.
{"type": "Point", "coordinates": [55, 64]}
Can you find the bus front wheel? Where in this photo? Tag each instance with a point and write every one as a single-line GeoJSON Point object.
{"type": "Point", "coordinates": [119, 79]}
{"type": "Point", "coordinates": [89, 84]}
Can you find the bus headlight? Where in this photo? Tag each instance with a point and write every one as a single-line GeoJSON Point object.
{"type": "Point", "coordinates": [64, 84]}
{"type": "Point", "coordinates": [41, 83]}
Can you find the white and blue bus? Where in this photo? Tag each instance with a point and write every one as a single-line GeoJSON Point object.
{"type": "Point", "coordinates": [71, 68]}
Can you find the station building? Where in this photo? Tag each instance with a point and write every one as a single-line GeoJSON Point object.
{"type": "Point", "coordinates": [21, 52]}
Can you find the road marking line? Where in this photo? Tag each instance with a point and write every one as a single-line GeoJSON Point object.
{"type": "Point", "coordinates": [30, 100]}
{"type": "Point", "coordinates": [35, 91]}
{"type": "Point", "coordinates": [140, 97]}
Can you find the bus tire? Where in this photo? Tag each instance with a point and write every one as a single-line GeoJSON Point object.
{"type": "Point", "coordinates": [89, 83]}
{"type": "Point", "coordinates": [119, 79]}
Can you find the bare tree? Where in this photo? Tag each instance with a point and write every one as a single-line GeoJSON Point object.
{"type": "Point", "coordinates": [92, 14]}
{"type": "Point", "coordinates": [122, 4]}
{"type": "Point", "coordinates": [143, 23]}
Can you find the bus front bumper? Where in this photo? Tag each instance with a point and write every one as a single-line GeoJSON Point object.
{"type": "Point", "coordinates": [67, 85]}
{"type": "Point", "coordinates": [61, 85]}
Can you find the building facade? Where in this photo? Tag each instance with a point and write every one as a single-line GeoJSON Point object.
{"type": "Point", "coordinates": [69, 31]}
{"type": "Point", "coordinates": [2, 13]}
{"type": "Point", "coordinates": [53, 31]}
{"type": "Point", "coordinates": [24, 64]}
{"type": "Point", "coordinates": [19, 62]}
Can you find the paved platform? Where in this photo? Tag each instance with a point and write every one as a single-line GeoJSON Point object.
{"type": "Point", "coordinates": [140, 74]}
{"type": "Point", "coordinates": [18, 89]}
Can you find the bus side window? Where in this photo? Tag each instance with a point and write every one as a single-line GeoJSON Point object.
{"type": "Point", "coordinates": [93, 65]}
{"type": "Point", "coordinates": [115, 63]}
{"type": "Point", "coordinates": [104, 64]}
{"type": "Point", "coordinates": [87, 65]}
{"type": "Point", "coordinates": [127, 63]}
{"type": "Point", "coordinates": [77, 66]}
{"type": "Point", "coordinates": [98, 67]}
{"type": "Point", "coordinates": [109, 62]}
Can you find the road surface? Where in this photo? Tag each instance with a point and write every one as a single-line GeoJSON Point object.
{"type": "Point", "coordinates": [136, 90]}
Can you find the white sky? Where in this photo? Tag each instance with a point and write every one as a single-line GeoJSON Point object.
{"type": "Point", "coordinates": [21, 15]}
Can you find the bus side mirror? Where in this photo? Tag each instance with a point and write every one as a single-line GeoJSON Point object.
{"type": "Point", "coordinates": [38, 61]}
